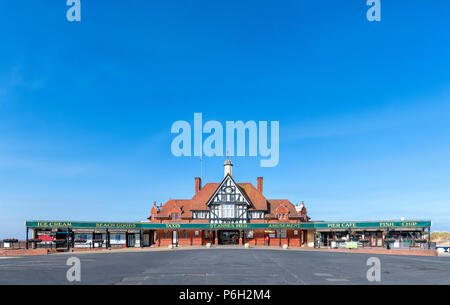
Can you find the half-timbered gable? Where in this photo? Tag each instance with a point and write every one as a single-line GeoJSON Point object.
{"type": "Point", "coordinates": [228, 204]}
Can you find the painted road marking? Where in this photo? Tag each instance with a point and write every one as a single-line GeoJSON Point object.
{"type": "Point", "coordinates": [323, 274]}
{"type": "Point", "coordinates": [337, 280]}
{"type": "Point", "coordinates": [132, 280]}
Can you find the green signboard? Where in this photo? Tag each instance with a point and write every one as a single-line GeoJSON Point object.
{"type": "Point", "coordinates": [372, 224]}
{"type": "Point", "coordinates": [307, 225]}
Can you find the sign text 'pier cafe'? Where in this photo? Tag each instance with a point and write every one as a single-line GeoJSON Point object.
{"type": "Point", "coordinates": [229, 212]}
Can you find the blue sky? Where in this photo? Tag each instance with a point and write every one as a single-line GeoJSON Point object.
{"type": "Point", "coordinates": [86, 108]}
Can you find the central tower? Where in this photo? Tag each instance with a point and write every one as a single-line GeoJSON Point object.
{"type": "Point", "coordinates": [228, 167]}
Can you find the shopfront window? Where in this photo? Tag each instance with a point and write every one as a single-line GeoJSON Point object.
{"type": "Point", "coordinates": [81, 236]}
{"type": "Point", "coordinates": [282, 233]}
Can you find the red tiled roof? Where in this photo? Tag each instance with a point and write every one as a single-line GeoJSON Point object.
{"type": "Point", "coordinates": [198, 202]}
{"type": "Point", "coordinates": [274, 204]}
{"type": "Point", "coordinates": [257, 200]}
{"type": "Point", "coordinates": [201, 198]}
{"type": "Point", "coordinates": [183, 204]}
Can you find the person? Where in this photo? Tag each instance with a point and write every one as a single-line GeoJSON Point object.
{"type": "Point", "coordinates": [267, 240]}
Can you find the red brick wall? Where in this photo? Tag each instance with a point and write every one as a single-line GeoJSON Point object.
{"type": "Point", "coordinates": [190, 240]}
{"type": "Point", "coordinates": [23, 252]}
{"type": "Point", "coordinates": [258, 239]}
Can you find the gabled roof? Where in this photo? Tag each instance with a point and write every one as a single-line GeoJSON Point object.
{"type": "Point", "coordinates": [228, 177]}
{"type": "Point", "coordinates": [199, 201]}
{"type": "Point", "coordinates": [182, 204]}
{"type": "Point", "coordinates": [274, 204]}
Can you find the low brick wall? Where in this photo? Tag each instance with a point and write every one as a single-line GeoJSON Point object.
{"type": "Point", "coordinates": [15, 252]}
{"type": "Point", "coordinates": [87, 249]}
{"type": "Point", "coordinates": [419, 252]}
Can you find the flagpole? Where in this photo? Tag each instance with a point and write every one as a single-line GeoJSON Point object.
{"type": "Point", "coordinates": [201, 173]}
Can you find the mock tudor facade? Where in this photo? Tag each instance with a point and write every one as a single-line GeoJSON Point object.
{"type": "Point", "coordinates": [229, 202]}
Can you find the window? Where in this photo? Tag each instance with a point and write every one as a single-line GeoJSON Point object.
{"type": "Point", "coordinates": [81, 236]}
{"type": "Point", "coordinates": [98, 236]}
{"type": "Point", "coordinates": [184, 234]}
{"type": "Point", "coordinates": [256, 214]}
{"type": "Point", "coordinates": [282, 233]}
{"type": "Point", "coordinates": [166, 234]}
{"type": "Point", "coordinates": [224, 211]}
{"type": "Point", "coordinates": [174, 215]}
{"type": "Point", "coordinates": [200, 214]}
{"type": "Point", "coordinates": [228, 213]}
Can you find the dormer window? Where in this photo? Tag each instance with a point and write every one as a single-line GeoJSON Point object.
{"type": "Point", "coordinates": [174, 216]}
{"type": "Point", "coordinates": [200, 214]}
{"type": "Point", "coordinates": [256, 214]}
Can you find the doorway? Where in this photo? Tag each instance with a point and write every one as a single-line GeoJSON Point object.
{"type": "Point", "coordinates": [146, 241]}
{"type": "Point", "coordinates": [175, 238]}
{"type": "Point", "coordinates": [228, 237]}
{"type": "Point", "coordinates": [131, 239]}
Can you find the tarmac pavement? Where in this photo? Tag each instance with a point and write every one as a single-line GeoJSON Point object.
{"type": "Point", "coordinates": [233, 266]}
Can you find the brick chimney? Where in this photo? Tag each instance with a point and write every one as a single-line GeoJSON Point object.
{"type": "Point", "coordinates": [198, 184]}
{"type": "Point", "coordinates": [260, 183]}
